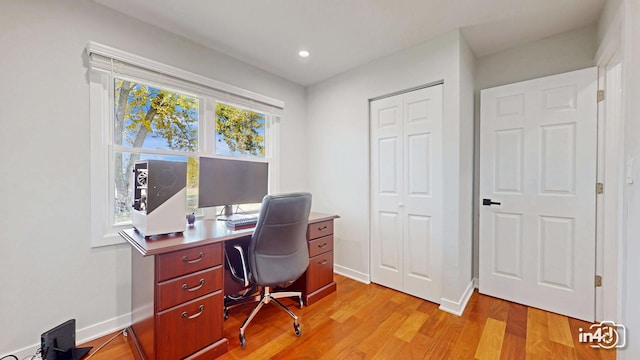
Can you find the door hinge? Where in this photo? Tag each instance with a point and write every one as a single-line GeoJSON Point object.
{"type": "Point", "coordinates": [600, 95]}
{"type": "Point", "coordinates": [599, 188]}
{"type": "Point", "coordinates": [598, 281]}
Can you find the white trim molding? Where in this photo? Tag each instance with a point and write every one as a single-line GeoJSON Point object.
{"type": "Point", "coordinates": [103, 233]}
{"type": "Point", "coordinates": [107, 327]}
{"type": "Point", "coordinates": [457, 307]}
{"type": "Point", "coordinates": [351, 274]}
{"type": "Point", "coordinates": [106, 53]}
{"type": "Point", "coordinates": [84, 335]}
{"type": "Point", "coordinates": [610, 210]}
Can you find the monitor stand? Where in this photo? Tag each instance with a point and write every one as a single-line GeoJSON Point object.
{"type": "Point", "coordinates": [74, 353]}
{"type": "Point", "coordinates": [226, 213]}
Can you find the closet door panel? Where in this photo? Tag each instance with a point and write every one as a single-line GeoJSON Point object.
{"type": "Point", "coordinates": [406, 188]}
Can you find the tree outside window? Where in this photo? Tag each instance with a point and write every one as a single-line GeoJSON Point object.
{"type": "Point", "coordinates": [239, 132]}
{"type": "Point", "coordinates": [147, 118]}
{"type": "Point", "coordinates": [155, 123]}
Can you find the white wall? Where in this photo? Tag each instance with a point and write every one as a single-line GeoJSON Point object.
{"type": "Point", "coordinates": [631, 244]}
{"type": "Point", "coordinates": [48, 272]}
{"type": "Point", "coordinates": [466, 204]}
{"type": "Point", "coordinates": [568, 51]}
{"type": "Point", "coordinates": [338, 141]}
{"type": "Point", "coordinates": [609, 12]}
{"type": "Point", "coordinates": [553, 55]}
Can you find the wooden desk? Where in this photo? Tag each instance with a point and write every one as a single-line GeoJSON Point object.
{"type": "Point", "coordinates": [178, 280]}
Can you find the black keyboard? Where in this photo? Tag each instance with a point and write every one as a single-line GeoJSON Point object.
{"type": "Point", "coordinates": [242, 221]}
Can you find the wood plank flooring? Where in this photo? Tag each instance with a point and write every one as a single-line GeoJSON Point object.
{"type": "Point", "coordinates": [373, 322]}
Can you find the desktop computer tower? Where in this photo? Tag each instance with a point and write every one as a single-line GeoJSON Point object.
{"type": "Point", "coordinates": [159, 197]}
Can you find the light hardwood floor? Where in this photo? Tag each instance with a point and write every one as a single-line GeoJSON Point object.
{"type": "Point", "coordinates": [373, 322]}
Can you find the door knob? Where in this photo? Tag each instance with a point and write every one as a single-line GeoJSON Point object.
{"type": "Point", "coordinates": [488, 202]}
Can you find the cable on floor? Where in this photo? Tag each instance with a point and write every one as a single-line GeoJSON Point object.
{"type": "Point", "coordinates": [123, 331]}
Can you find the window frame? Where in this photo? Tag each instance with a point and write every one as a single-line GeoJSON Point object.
{"type": "Point", "coordinates": [108, 64]}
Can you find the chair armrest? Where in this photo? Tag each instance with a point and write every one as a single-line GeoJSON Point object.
{"type": "Point", "coordinates": [245, 275]}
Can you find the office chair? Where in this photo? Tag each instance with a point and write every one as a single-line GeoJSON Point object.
{"type": "Point", "coordinates": [276, 255]}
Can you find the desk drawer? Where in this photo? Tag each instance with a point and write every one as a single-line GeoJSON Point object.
{"type": "Point", "coordinates": [185, 329]}
{"type": "Point", "coordinates": [183, 262]}
{"type": "Point", "coordinates": [188, 287]}
{"type": "Point", "coordinates": [320, 229]}
{"type": "Point", "coordinates": [320, 271]}
{"type": "Point", "coordinates": [320, 245]}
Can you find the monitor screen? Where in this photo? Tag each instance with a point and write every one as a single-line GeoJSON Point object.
{"type": "Point", "coordinates": [57, 341]}
{"type": "Point", "coordinates": [231, 182]}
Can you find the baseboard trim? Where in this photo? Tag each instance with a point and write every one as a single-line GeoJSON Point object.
{"type": "Point", "coordinates": [83, 335]}
{"type": "Point", "coordinates": [26, 351]}
{"type": "Point", "coordinates": [351, 274]}
{"type": "Point", "coordinates": [457, 307]}
{"type": "Point", "coordinates": [476, 283]}
{"type": "Point", "coordinates": [107, 327]}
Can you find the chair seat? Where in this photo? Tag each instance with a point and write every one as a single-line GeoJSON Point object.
{"type": "Point", "coordinates": [277, 253]}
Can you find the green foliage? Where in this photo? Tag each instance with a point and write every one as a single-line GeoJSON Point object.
{"type": "Point", "coordinates": [142, 111]}
{"type": "Point", "coordinates": [163, 114]}
{"type": "Point", "coordinates": [239, 129]}
{"type": "Point", "coordinates": [192, 171]}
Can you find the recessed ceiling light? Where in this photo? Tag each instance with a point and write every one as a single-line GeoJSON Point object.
{"type": "Point", "coordinates": [303, 53]}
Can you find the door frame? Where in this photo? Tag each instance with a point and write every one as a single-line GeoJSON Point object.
{"type": "Point", "coordinates": [370, 168]}
{"type": "Point", "coordinates": [609, 205]}
{"type": "Point", "coordinates": [557, 301]}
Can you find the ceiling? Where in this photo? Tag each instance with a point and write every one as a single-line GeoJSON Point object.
{"type": "Point", "coordinates": [343, 34]}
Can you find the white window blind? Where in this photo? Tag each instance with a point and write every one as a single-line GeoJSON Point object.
{"type": "Point", "coordinates": [121, 63]}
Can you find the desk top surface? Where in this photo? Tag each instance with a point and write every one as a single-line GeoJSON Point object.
{"type": "Point", "coordinates": [203, 232]}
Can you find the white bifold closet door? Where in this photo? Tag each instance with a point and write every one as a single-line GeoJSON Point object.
{"type": "Point", "coordinates": [406, 192]}
{"type": "Point", "coordinates": [538, 143]}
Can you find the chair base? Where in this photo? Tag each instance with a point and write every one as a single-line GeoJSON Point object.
{"type": "Point", "coordinates": [265, 297]}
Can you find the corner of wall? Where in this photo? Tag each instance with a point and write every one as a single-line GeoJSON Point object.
{"type": "Point", "coordinates": [610, 11]}
{"type": "Point", "coordinates": [457, 307]}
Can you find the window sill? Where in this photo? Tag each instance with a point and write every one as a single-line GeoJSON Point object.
{"type": "Point", "coordinates": [107, 240]}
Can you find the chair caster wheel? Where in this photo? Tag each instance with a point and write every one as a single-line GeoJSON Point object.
{"type": "Point", "coordinates": [296, 329]}
{"type": "Point", "coordinates": [243, 341]}
{"type": "Point", "coordinates": [226, 313]}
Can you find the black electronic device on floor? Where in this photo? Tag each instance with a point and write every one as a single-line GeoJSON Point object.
{"type": "Point", "coordinates": [59, 343]}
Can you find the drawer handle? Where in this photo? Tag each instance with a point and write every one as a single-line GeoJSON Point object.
{"type": "Point", "coordinates": [186, 260]}
{"type": "Point", "coordinates": [323, 245]}
{"type": "Point", "coordinates": [324, 261]}
{"type": "Point", "coordinates": [323, 228]}
{"type": "Point", "coordinates": [187, 316]}
{"type": "Point", "coordinates": [196, 288]}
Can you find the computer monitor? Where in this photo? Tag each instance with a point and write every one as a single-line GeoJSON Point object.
{"type": "Point", "coordinates": [59, 343]}
{"type": "Point", "coordinates": [228, 182]}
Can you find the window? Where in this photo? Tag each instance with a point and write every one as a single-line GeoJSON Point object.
{"type": "Point", "coordinates": [239, 132]}
{"type": "Point", "coordinates": [151, 123]}
{"type": "Point", "coordinates": [142, 110]}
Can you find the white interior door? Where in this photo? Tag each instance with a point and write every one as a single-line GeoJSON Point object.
{"type": "Point", "coordinates": [537, 192]}
{"type": "Point", "coordinates": [387, 191]}
{"type": "Point", "coordinates": [406, 192]}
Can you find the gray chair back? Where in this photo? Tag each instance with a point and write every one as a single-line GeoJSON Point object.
{"type": "Point", "coordinates": [278, 251]}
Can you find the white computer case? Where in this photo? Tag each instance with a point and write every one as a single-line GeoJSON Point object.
{"type": "Point", "coordinates": [159, 197]}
